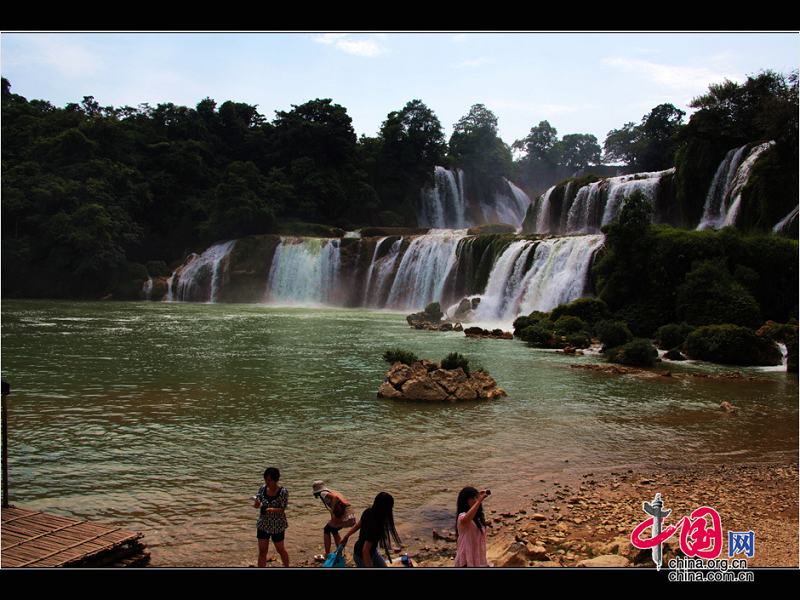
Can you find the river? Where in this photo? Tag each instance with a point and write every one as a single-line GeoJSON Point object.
{"type": "Point", "coordinates": [161, 417]}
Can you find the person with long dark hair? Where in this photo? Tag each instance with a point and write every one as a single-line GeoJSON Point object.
{"type": "Point", "coordinates": [271, 500]}
{"type": "Point", "coordinates": [471, 528]}
{"type": "Point", "coordinates": [376, 528]}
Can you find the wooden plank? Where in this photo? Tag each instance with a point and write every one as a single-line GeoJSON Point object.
{"type": "Point", "coordinates": [52, 531]}
{"type": "Point", "coordinates": [68, 548]}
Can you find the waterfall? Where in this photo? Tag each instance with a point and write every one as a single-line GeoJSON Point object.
{"type": "Point", "coordinates": [500, 300]}
{"type": "Point", "coordinates": [543, 218]}
{"type": "Point", "coordinates": [724, 197]}
{"type": "Point", "coordinates": [511, 208]}
{"type": "Point", "coordinates": [620, 188]}
{"type": "Point", "coordinates": [198, 277]}
{"type": "Point", "coordinates": [595, 204]}
{"type": "Point", "coordinates": [559, 272]}
{"type": "Point", "coordinates": [147, 288]}
{"type": "Point", "coordinates": [424, 268]}
{"type": "Point", "coordinates": [445, 205]}
{"type": "Point", "coordinates": [785, 224]}
{"type": "Point", "coordinates": [304, 271]}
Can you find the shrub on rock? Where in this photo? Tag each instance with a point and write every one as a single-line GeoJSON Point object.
{"type": "Point", "coordinates": [732, 345]}
{"type": "Point", "coordinates": [589, 310]}
{"type": "Point", "coordinates": [568, 324]}
{"type": "Point", "coordinates": [396, 355]}
{"type": "Point", "coordinates": [454, 360]}
{"type": "Point", "coordinates": [639, 352]}
{"type": "Point", "coordinates": [672, 335]}
{"type": "Point", "coordinates": [613, 333]}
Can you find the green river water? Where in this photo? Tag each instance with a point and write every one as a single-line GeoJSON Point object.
{"type": "Point", "coordinates": [162, 417]}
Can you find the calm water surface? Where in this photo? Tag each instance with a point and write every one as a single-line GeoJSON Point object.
{"type": "Point", "coordinates": [162, 417]}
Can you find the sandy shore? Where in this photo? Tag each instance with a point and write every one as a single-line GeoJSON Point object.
{"type": "Point", "coordinates": [571, 521]}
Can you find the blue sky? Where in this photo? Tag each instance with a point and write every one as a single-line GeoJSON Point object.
{"type": "Point", "coordinates": [580, 82]}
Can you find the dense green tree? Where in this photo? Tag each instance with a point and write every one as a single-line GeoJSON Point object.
{"type": "Point", "coordinates": [475, 145]}
{"type": "Point", "coordinates": [649, 146]}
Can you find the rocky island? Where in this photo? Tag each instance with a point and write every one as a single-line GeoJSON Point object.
{"type": "Point", "coordinates": [426, 381]}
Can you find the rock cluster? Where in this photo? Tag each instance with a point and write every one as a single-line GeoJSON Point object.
{"type": "Point", "coordinates": [425, 381]}
{"type": "Point", "coordinates": [497, 334]}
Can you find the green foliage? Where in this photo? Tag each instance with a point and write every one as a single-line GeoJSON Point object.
{"type": "Point", "coordinates": [454, 360]}
{"type": "Point", "coordinates": [578, 340]}
{"type": "Point", "coordinates": [568, 324]}
{"type": "Point", "coordinates": [638, 352]}
{"type": "Point", "coordinates": [539, 335]}
{"type": "Point", "coordinates": [613, 333]}
{"type": "Point", "coordinates": [590, 310]}
{"type": "Point", "coordinates": [434, 312]}
{"type": "Point", "coordinates": [643, 268]}
{"type": "Point", "coordinates": [475, 145]}
{"type": "Point", "coordinates": [729, 115]}
{"type": "Point", "coordinates": [709, 295]}
{"type": "Point", "coordinates": [672, 335]}
{"type": "Point", "coordinates": [534, 318]}
{"type": "Point", "coordinates": [649, 146]}
{"type": "Point", "coordinates": [731, 345]}
{"type": "Point", "coordinates": [396, 355]}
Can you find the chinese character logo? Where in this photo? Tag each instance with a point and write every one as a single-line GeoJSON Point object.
{"type": "Point", "coordinates": [699, 537]}
{"type": "Point", "coordinates": [741, 542]}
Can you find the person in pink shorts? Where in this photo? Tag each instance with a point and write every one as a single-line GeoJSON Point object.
{"type": "Point", "coordinates": [471, 528]}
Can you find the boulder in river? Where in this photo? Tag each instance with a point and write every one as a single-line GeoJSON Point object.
{"type": "Point", "coordinates": [425, 381]}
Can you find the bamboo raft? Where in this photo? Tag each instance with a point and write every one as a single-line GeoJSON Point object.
{"type": "Point", "coordinates": [36, 539]}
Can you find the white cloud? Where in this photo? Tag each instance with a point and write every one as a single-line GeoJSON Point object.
{"type": "Point", "coordinates": [684, 79]}
{"type": "Point", "coordinates": [69, 58]}
{"type": "Point", "coordinates": [475, 62]}
{"type": "Point", "coordinates": [359, 47]}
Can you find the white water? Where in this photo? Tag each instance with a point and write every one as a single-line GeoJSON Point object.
{"type": "Point", "coordinates": [424, 269]}
{"type": "Point", "coordinates": [446, 205]}
{"type": "Point", "coordinates": [724, 197]}
{"type": "Point", "coordinates": [500, 300]}
{"type": "Point", "coordinates": [784, 223]}
{"type": "Point", "coordinates": [188, 274]}
{"type": "Point", "coordinates": [543, 212]}
{"type": "Point", "coordinates": [304, 271]}
{"type": "Point", "coordinates": [147, 288]}
{"type": "Point", "coordinates": [408, 275]}
{"type": "Point", "coordinates": [596, 204]}
{"type": "Point", "coordinates": [559, 272]}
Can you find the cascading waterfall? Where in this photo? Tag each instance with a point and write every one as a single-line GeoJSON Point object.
{"type": "Point", "coordinates": [147, 288]}
{"type": "Point", "coordinates": [500, 300]}
{"type": "Point", "coordinates": [193, 273]}
{"type": "Point", "coordinates": [304, 271]}
{"type": "Point", "coordinates": [724, 197]}
{"type": "Point", "coordinates": [404, 273]}
{"type": "Point", "coordinates": [510, 208]}
{"type": "Point", "coordinates": [424, 268]}
{"type": "Point", "coordinates": [594, 204]}
{"type": "Point", "coordinates": [558, 274]}
{"type": "Point", "coordinates": [446, 204]}
{"type": "Point", "coordinates": [785, 224]}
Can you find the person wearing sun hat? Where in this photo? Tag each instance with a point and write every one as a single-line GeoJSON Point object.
{"type": "Point", "coordinates": [341, 512]}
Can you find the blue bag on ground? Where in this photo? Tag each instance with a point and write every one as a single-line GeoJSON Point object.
{"type": "Point", "coordinates": [335, 559]}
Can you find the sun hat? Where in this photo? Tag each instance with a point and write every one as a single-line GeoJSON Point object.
{"type": "Point", "coordinates": [319, 486]}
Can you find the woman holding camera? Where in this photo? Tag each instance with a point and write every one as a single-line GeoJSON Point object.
{"type": "Point", "coordinates": [376, 527]}
{"type": "Point", "coordinates": [471, 528]}
{"type": "Point", "coordinates": [272, 500]}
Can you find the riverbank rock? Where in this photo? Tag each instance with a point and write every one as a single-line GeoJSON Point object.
{"type": "Point", "coordinates": [497, 334]}
{"type": "Point", "coordinates": [425, 381]}
{"type": "Point", "coordinates": [607, 560]}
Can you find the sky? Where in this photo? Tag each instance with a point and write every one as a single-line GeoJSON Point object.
{"type": "Point", "coordinates": [579, 82]}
